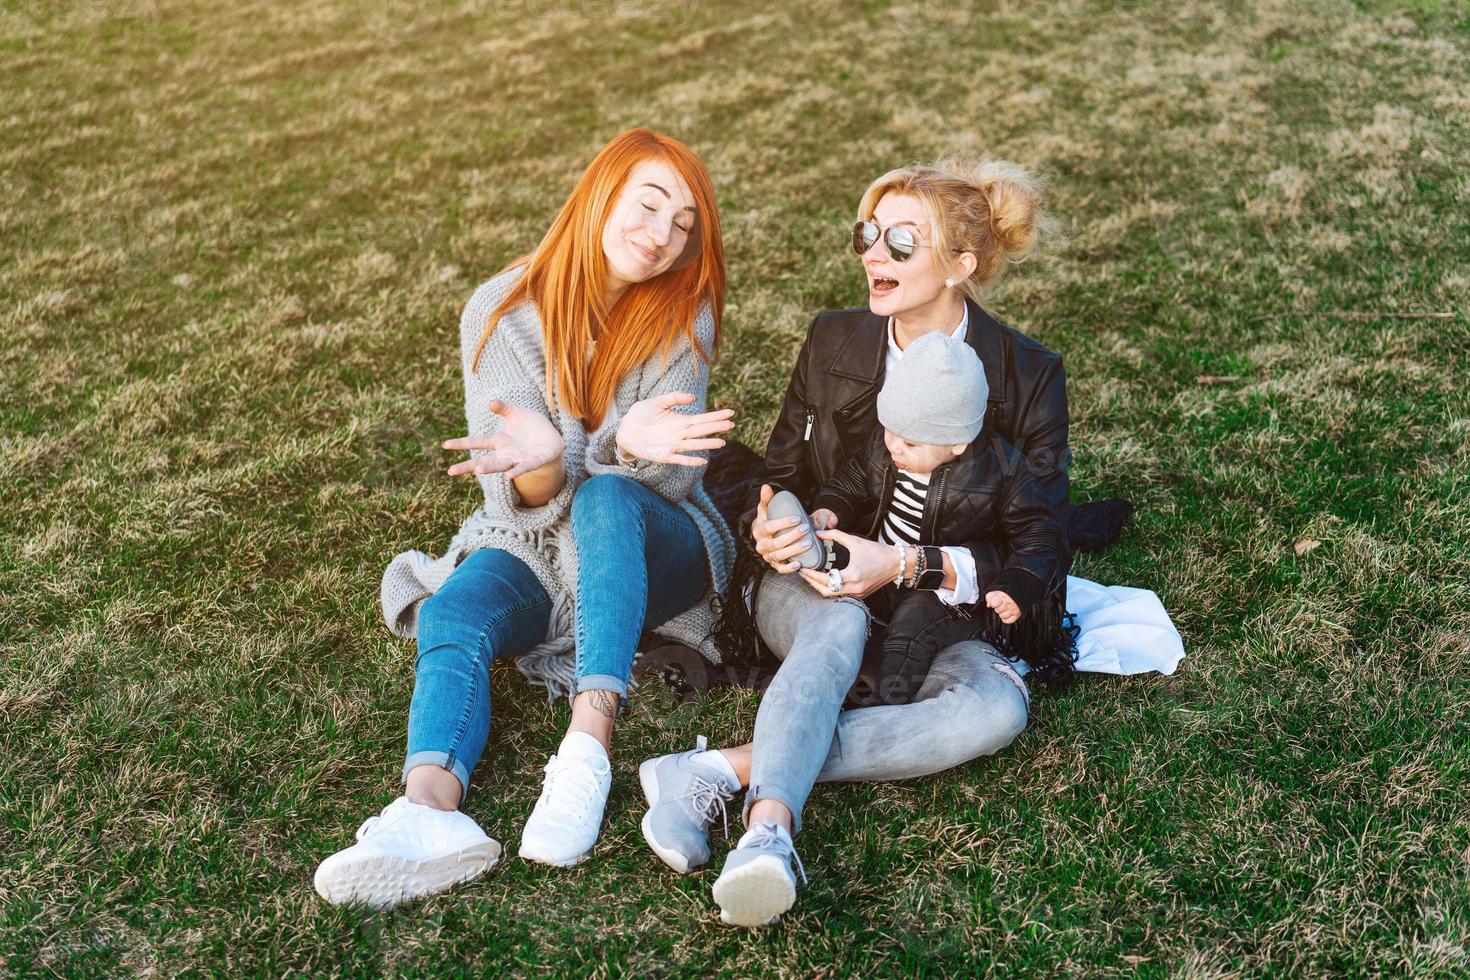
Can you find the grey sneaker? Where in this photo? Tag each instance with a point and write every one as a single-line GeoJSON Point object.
{"type": "Point", "coordinates": [683, 798]}
{"type": "Point", "coordinates": [757, 885]}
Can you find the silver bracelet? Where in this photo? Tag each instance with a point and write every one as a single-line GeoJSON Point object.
{"type": "Point", "coordinates": [629, 461]}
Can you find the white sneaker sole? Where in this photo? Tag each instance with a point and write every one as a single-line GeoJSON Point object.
{"type": "Point", "coordinates": [755, 894]}
{"type": "Point", "coordinates": [382, 882]}
{"type": "Point", "coordinates": [529, 852]}
{"type": "Point", "coordinates": [648, 779]}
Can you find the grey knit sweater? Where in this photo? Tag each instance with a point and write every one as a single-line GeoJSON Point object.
{"type": "Point", "coordinates": [513, 368]}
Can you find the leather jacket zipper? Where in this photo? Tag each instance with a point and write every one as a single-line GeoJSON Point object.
{"type": "Point", "coordinates": [929, 526]}
{"type": "Point", "coordinates": [812, 452]}
{"type": "Point", "coordinates": [957, 611]}
{"type": "Point", "coordinates": [885, 495]}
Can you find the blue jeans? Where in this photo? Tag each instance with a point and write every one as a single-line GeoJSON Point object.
{"type": "Point", "coordinates": [971, 703]}
{"type": "Point", "coordinates": [627, 538]}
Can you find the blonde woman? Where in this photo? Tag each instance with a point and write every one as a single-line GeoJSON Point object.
{"type": "Point", "coordinates": [930, 239]}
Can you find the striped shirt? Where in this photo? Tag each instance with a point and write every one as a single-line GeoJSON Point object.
{"type": "Point", "coordinates": [905, 508]}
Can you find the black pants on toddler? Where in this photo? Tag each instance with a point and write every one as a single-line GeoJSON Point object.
{"type": "Point", "coordinates": [897, 659]}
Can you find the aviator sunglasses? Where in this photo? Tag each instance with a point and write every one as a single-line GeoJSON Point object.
{"type": "Point", "coordinates": [899, 240]}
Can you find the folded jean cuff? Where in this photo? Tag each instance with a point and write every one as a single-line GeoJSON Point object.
{"type": "Point", "coordinates": [444, 760]}
{"type": "Point", "coordinates": [602, 682]}
{"type": "Point", "coordinates": [769, 791]}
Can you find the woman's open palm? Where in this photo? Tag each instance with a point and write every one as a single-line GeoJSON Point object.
{"type": "Point", "coordinates": [652, 430]}
{"type": "Point", "coordinates": [526, 441]}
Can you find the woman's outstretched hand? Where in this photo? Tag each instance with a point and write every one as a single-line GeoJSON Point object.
{"type": "Point", "coordinates": [526, 442]}
{"type": "Point", "coordinates": [870, 566]}
{"type": "Point", "coordinates": [652, 430]}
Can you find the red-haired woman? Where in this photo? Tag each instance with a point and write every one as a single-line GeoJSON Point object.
{"type": "Point", "coordinates": [585, 368]}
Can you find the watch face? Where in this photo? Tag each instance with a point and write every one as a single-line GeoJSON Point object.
{"type": "Point", "coordinates": [933, 577]}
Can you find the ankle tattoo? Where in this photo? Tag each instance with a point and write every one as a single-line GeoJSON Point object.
{"type": "Point", "coordinates": [605, 703]}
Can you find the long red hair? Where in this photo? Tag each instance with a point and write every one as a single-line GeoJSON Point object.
{"type": "Point", "coordinates": [564, 278]}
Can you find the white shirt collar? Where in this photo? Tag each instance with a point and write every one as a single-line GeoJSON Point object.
{"type": "Point", "coordinates": [958, 333]}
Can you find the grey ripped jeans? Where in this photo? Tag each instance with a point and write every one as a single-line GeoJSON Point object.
{"type": "Point", "coordinates": [972, 703]}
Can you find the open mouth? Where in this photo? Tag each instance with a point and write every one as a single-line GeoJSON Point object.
{"type": "Point", "coordinates": [881, 285]}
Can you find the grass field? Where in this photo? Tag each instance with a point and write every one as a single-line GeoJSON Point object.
{"type": "Point", "coordinates": [234, 243]}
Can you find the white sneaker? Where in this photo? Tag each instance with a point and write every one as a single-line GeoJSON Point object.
{"type": "Point", "coordinates": [407, 851]}
{"type": "Point", "coordinates": [756, 885]}
{"type": "Point", "coordinates": [564, 825]}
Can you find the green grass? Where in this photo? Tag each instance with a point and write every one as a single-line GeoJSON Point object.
{"type": "Point", "coordinates": [234, 242]}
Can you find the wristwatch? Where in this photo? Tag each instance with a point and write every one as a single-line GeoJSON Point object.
{"type": "Point", "coordinates": [933, 575]}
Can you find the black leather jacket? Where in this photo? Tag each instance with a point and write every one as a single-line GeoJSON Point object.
{"type": "Point", "coordinates": [831, 410]}
{"type": "Point", "coordinates": [984, 498]}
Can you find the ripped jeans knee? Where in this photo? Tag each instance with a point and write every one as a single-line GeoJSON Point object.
{"type": "Point", "coordinates": [1008, 671]}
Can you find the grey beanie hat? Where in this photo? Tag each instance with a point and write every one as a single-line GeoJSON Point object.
{"type": "Point", "coordinates": [936, 393]}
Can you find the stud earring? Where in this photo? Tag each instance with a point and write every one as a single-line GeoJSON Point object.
{"type": "Point", "coordinates": [949, 283]}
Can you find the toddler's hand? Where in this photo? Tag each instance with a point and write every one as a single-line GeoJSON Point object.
{"type": "Point", "coordinates": [1005, 607]}
{"type": "Point", "coordinates": [824, 519]}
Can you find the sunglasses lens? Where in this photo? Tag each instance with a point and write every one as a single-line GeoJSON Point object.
{"type": "Point", "coordinates": [864, 234]}
{"type": "Point", "coordinates": [900, 243]}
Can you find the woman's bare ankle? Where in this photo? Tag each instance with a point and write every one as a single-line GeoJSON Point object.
{"type": "Point", "coordinates": [433, 786]}
{"type": "Point", "coordinates": [769, 809]}
{"type": "Point", "coordinates": [595, 712]}
{"type": "Point", "coordinates": [739, 759]}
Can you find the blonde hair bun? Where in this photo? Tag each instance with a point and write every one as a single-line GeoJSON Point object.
{"type": "Point", "coordinates": [1014, 196]}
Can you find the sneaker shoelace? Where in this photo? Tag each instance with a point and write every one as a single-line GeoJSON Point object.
{"type": "Point", "coordinates": [705, 797]}
{"type": "Point", "coordinates": [765, 836]}
{"type": "Point", "coordinates": [571, 786]}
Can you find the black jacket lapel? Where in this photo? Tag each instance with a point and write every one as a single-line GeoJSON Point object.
{"type": "Point", "coordinates": [987, 338]}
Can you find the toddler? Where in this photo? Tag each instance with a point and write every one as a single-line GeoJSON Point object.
{"type": "Point", "coordinates": [925, 481]}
